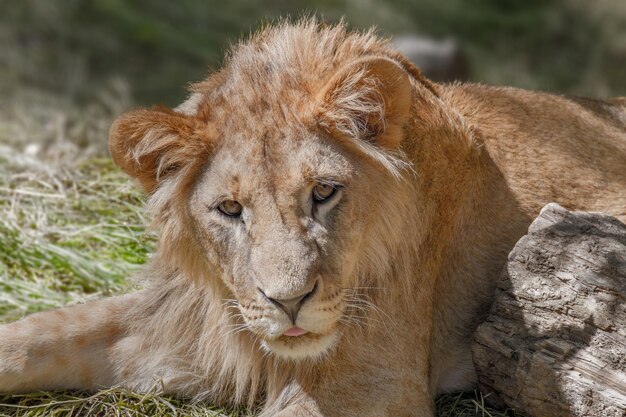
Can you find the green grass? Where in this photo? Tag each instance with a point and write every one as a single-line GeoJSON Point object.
{"type": "Point", "coordinates": [71, 224]}
{"type": "Point", "coordinates": [72, 229]}
{"type": "Point", "coordinates": [65, 236]}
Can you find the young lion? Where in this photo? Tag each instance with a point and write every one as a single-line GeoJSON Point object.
{"type": "Point", "coordinates": [331, 227]}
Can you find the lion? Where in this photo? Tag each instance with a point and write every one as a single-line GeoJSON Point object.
{"type": "Point", "coordinates": [331, 227]}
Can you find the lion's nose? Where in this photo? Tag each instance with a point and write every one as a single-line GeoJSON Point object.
{"type": "Point", "coordinates": [291, 306]}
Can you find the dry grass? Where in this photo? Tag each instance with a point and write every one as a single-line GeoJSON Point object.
{"type": "Point", "coordinates": [71, 225]}
{"type": "Point", "coordinates": [111, 402]}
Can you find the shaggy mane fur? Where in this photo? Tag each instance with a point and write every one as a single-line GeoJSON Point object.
{"type": "Point", "coordinates": [279, 66]}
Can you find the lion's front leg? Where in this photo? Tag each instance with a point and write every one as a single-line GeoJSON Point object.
{"type": "Point", "coordinates": [362, 401]}
{"type": "Point", "coordinates": [68, 348]}
{"type": "Point", "coordinates": [376, 385]}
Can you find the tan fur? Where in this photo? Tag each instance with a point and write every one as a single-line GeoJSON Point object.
{"type": "Point", "coordinates": [438, 182]}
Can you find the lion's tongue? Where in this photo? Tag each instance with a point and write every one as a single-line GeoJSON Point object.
{"type": "Point", "coordinates": [295, 331]}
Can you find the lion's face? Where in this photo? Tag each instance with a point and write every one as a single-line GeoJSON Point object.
{"type": "Point", "coordinates": [288, 200]}
{"type": "Point", "coordinates": [282, 216]}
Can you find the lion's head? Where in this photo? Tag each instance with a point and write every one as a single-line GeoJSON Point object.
{"type": "Point", "coordinates": [279, 180]}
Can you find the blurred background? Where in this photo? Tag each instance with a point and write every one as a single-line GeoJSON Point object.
{"type": "Point", "coordinates": [68, 67]}
{"type": "Point", "coordinates": [152, 49]}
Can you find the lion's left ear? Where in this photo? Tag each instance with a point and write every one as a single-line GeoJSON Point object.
{"type": "Point", "coordinates": [369, 99]}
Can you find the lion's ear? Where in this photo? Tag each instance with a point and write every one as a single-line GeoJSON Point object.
{"type": "Point", "coordinates": [369, 99]}
{"type": "Point", "coordinates": [151, 144]}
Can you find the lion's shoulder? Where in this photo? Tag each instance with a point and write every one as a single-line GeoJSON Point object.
{"type": "Point", "coordinates": [543, 143]}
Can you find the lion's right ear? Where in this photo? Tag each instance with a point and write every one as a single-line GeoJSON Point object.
{"type": "Point", "coordinates": [151, 144]}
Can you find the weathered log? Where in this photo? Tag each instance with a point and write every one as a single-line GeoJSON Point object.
{"type": "Point", "coordinates": [554, 343]}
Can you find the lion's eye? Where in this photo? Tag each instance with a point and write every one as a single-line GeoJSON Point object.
{"type": "Point", "coordinates": [323, 192]}
{"type": "Point", "coordinates": [230, 208]}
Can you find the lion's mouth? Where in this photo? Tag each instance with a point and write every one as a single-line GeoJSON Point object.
{"type": "Point", "coordinates": [306, 345]}
{"type": "Point", "coordinates": [295, 331]}
{"type": "Point", "coordinates": [305, 338]}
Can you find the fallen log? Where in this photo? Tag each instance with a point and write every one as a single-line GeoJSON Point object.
{"type": "Point", "coordinates": [554, 343]}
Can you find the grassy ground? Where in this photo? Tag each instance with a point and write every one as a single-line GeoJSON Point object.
{"type": "Point", "coordinates": [72, 229]}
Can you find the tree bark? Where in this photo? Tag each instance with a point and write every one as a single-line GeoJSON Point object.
{"type": "Point", "coordinates": [554, 343]}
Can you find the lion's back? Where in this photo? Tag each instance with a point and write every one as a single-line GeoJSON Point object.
{"type": "Point", "coordinates": [551, 148]}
